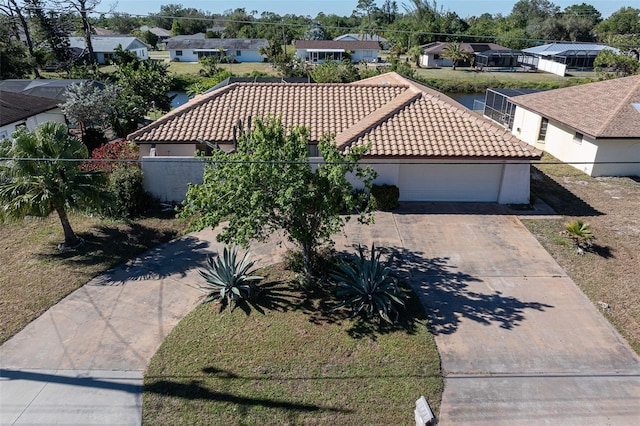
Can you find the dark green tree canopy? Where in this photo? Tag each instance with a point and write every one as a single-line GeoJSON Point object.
{"type": "Point", "coordinates": [268, 184]}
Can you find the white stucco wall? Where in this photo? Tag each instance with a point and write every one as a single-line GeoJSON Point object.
{"type": "Point", "coordinates": [248, 55]}
{"type": "Point", "coordinates": [55, 115]}
{"type": "Point", "coordinates": [168, 178]}
{"type": "Point", "coordinates": [168, 150]}
{"type": "Point", "coordinates": [560, 142]}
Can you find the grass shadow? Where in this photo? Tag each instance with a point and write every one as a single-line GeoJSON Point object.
{"type": "Point", "coordinates": [563, 201]}
{"type": "Point", "coordinates": [194, 390]}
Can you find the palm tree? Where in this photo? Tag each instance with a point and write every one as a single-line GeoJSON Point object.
{"type": "Point", "coordinates": [455, 52]}
{"type": "Point", "coordinates": [415, 52]}
{"type": "Point", "coordinates": [40, 179]}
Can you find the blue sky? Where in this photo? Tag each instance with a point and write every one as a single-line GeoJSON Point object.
{"type": "Point", "coordinates": [463, 8]}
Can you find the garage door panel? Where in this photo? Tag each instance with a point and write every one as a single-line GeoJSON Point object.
{"type": "Point", "coordinates": [449, 182]}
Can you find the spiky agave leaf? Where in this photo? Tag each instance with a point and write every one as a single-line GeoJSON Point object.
{"type": "Point", "coordinates": [368, 285]}
{"type": "Point", "coordinates": [228, 279]}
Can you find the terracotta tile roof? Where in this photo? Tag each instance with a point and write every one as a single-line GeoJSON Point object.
{"type": "Point", "coordinates": [398, 116]}
{"type": "Point", "coordinates": [16, 106]}
{"type": "Point", "coordinates": [334, 44]}
{"type": "Point", "coordinates": [601, 110]}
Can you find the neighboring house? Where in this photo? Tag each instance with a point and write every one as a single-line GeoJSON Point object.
{"type": "Point", "coordinates": [431, 147]}
{"type": "Point", "coordinates": [104, 47]}
{"type": "Point", "coordinates": [163, 35]}
{"type": "Point", "coordinates": [557, 58]}
{"type": "Point", "coordinates": [52, 89]}
{"type": "Point", "coordinates": [432, 53]}
{"type": "Point", "coordinates": [188, 49]}
{"type": "Point", "coordinates": [383, 42]}
{"type": "Point", "coordinates": [18, 110]}
{"type": "Point", "coordinates": [319, 51]}
{"type": "Point", "coordinates": [594, 127]}
{"type": "Point", "coordinates": [99, 31]}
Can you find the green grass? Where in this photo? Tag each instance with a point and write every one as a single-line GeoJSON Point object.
{"type": "Point", "coordinates": [299, 363]}
{"type": "Point", "coordinates": [34, 275]}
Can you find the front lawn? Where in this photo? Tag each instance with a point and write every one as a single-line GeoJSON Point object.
{"type": "Point", "coordinates": [609, 275]}
{"type": "Point", "coordinates": [34, 275]}
{"type": "Point", "coordinates": [299, 363]}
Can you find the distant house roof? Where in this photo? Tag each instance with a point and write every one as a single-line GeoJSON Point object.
{"type": "Point", "coordinates": [106, 43]}
{"type": "Point", "coordinates": [605, 109]}
{"type": "Point", "coordinates": [52, 89]}
{"type": "Point", "coordinates": [160, 32]}
{"type": "Point", "coordinates": [103, 31]}
{"type": "Point", "coordinates": [553, 49]}
{"type": "Point", "coordinates": [361, 37]}
{"type": "Point", "coordinates": [16, 106]}
{"type": "Point", "coordinates": [187, 37]}
{"type": "Point", "coordinates": [397, 116]}
{"type": "Point", "coordinates": [438, 46]}
{"type": "Point", "coordinates": [332, 44]}
{"type": "Point", "coordinates": [217, 43]}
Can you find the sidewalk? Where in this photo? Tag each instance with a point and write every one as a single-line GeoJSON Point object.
{"type": "Point", "coordinates": [82, 361]}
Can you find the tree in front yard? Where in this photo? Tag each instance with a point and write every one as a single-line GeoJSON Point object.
{"type": "Point", "coordinates": [455, 52]}
{"type": "Point", "coordinates": [268, 184]}
{"type": "Point", "coordinates": [40, 180]}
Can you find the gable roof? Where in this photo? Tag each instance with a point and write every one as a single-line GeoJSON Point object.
{"type": "Point", "coordinates": [217, 43]}
{"type": "Point", "coordinates": [107, 43]}
{"type": "Point", "coordinates": [399, 117]}
{"type": "Point", "coordinates": [558, 48]}
{"type": "Point", "coordinates": [16, 107]}
{"type": "Point", "coordinates": [333, 44]}
{"type": "Point", "coordinates": [438, 46]}
{"type": "Point", "coordinates": [604, 109]}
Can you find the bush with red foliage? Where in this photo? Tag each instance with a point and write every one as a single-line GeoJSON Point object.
{"type": "Point", "coordinates": [116, 150]}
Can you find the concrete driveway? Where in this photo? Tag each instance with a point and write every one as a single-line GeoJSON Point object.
{"type": "Point", "coordinates": [519, 343]}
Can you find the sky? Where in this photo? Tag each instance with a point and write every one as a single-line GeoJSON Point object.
{"type": "Point", "coordinates": [464, 8]}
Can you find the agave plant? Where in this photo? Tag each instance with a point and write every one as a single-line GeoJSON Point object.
{"type": "Point", "coordinates": [368, 286]}
{"type": "Point", "coordinates": [228, 279]}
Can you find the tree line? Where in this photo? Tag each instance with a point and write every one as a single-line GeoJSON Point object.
{"type": "Point", "coordinates": [44, 26]}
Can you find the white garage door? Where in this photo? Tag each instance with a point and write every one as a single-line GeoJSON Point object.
{"type": "Point", "coordinates": [449, 182]}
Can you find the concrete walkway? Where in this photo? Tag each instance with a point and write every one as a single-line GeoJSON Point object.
{"type": "Point", "coordinates": [519, 342]}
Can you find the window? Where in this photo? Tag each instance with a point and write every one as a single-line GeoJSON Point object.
{"type": "Point", "coordinates": [542, 134]}
{"type": "Point", "coordinates": [178, 52]}
{"type": "Point", "coordinates": [577, 138]}
{"type": "Point", "coordinates": [238, 52]}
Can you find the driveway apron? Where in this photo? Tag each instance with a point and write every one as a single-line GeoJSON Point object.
{"type": "Point", "coordinates": [519, 342]}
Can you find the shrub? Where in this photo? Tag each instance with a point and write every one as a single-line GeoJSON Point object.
{"type": "Point", "coordinates": [369, 286]}
{"type": "Point", "coordinates": [385, 197]}
{"type": "Point", "coordinates": [119, 150]}
{"type": "Point", "coordinates": [128, 197]}
{"type": "Point", "coordinates": [230, 280]}
{"type": "Point", "coordinates": [580, 233]}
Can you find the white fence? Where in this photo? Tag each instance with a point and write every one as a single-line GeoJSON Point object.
{"type": "Point", "coordinates": [167, 178]}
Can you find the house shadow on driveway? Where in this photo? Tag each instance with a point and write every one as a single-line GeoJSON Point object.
{"type": "Point", "coordinates": [448, 298]}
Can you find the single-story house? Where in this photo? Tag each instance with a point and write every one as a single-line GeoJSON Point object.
{"type": "Point", "coordinates": [104, 47]}
{"type": "Point", "coordinates": [427, 144]}
{"type": "Point", "coordinates": [557, 58]}
{"type": "Point", "coordinates": [319, 51]}
{"type": "Point", "coordinates": [594, 127]}
{"type": "Point", "coordinates": [383, 42]}
{"type": "Point", "coordinates": [163, 35]}
{"type": "Point", "coordinates": [432, 53]}
{"type": "Point", "coordinates": [18, 110]}
{"type": "Point", "coordinates": [52, 89]}
{"type": "Point", "coordinates": [186, 49]}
